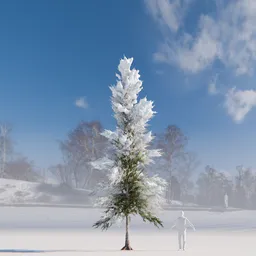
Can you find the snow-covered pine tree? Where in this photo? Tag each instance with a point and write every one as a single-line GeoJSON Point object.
{"type": "Point", "coordinates": [130, 190]}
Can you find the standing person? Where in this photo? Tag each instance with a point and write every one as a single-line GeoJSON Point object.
{"type": "Point", "coordinates": [226, 200]}
{"type": "Point", "coordinates": [180, 224]}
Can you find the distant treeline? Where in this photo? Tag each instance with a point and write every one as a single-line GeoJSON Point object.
{"type": "Point", "coordinates": [85, 144]}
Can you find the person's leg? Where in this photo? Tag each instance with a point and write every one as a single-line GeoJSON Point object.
{"type": "Point", "coordinates": [184, 240]}
{"type": "Point", "coordinates": [179, 239]}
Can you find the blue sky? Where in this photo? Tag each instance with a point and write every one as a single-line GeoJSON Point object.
{"type": "Point", "coordinates": [197, 61]}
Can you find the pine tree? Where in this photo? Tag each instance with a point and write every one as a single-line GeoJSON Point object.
{"type": "Point", "coordinates": [130, 191]}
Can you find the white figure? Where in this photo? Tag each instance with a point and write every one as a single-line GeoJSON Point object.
{"type": "Point", "coordinates": [226, 200]}
{"type": "Point", "coordinates": [181, 226]}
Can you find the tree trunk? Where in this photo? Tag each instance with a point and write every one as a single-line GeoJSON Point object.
{"type": "Point", "coordinates": [127, 246]}
{"type": "Point", "coordinates": [169, 192]}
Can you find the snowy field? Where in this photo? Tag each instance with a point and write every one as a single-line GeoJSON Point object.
{"type": "Point", "coordinates": [67, 231]}
{"type": "Point", "coordinates": [16, 192]}
{"type": "Point", "coordinates": [24, 192]}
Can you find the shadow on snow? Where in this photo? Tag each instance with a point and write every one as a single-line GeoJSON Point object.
{"type": "Point", "coordinates": [53, 251]}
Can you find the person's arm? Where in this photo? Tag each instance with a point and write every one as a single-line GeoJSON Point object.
{"type": "Point", "coordinates": [174, 225]}
{"type": "Point", "coordinates": [190, 224]}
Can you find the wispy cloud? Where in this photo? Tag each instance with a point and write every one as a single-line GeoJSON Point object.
{"type": "Point", "coordinates": [239, 102]}
{"type": "Point", "coordinates": [212, 90]}
{"type": "Point", "coordinates": [81, 103]}
{"type": "Point", "coordinates": [230, 37]}
{"type": "Point", "coordinates": [227, 36]}
{"type": "Point", "coordinates": [212, 87]}
{"type": "Point", "coordinates": [168, 13]}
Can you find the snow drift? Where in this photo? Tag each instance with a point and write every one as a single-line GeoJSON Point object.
{"type": "Point", "coordinates": [23, 192]}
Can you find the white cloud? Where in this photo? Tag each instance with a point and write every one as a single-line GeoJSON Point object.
{"type": "Point", "coordinates": [81, 103]}
{"type": "Point", "coordinates": [238, 103]}
{"type": "Point", "coordinates": [167, 12]}
{"type": "Point", "coordinates": [230, 37]}
{"type": "Point", "coordinates": [212, 89]}
{"type": "Point", "coordinates": [227, 36]}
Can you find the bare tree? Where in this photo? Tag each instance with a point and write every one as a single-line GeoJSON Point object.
{"type": "Point", "coordinates": [245, 186]}
{"type": "Point", "coordinates": [21, 169]}
{"type": "Point", "coordinates": [5, 147]}
{"type": "Point", "coordinates": [62, 173]}
{"type": "Point", "coordinates": [84, 145]}
{"type": "Point", "coordinates": [212, 186]}
{"type": "Point", "coordinates": [172, 143]}
{"type": "Point", "coordinates": [43, 173]}
{"type": "Point", "coordinates": [188, 165]}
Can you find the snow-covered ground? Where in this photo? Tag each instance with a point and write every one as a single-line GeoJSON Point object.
{"type": "Point", "coordinates": [33, 193]}
{"type": "Point", "coordinates": [23, 192]}
{"type": "Point", "coordinates": [67, 231]}
{"type": "Point", "coordinates": [101, 244]}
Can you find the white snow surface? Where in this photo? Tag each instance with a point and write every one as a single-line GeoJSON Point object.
{"type": "Point", "coordinates": [19, 192]}
{"type": "Point", "coordinates": [24, 192]}
{"type": "Point", "coordinates": [67, 231]}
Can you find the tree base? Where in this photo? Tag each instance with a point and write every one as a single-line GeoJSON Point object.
{"type": "Point", "coordinates": [127, 248]}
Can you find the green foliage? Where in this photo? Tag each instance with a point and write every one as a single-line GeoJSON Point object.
{"type": "Point", "coordinates": [104, 223]}
{"type": "Point", "coordinates": [131, 199]}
